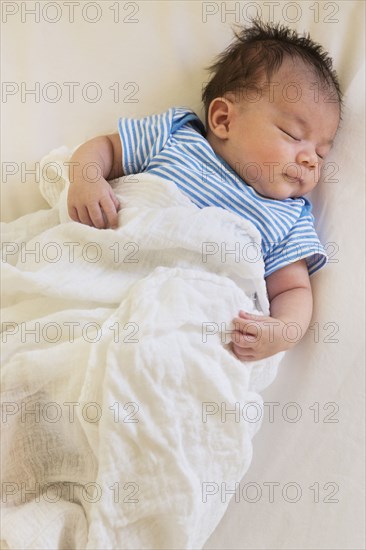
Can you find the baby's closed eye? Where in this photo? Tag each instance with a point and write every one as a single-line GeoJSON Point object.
{"type": "Point", "coordinates": [290, 134]}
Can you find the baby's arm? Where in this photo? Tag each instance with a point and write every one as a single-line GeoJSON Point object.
{"type": "Point", "coordinates": [291, 303]}
{"type": "Point", "coordinates": [90, 198]}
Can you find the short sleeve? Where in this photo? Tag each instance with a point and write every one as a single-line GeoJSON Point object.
{"type": "Point", "coordinates": [142, 139]}
{"type": "Point", "coordinates": [301, 242]}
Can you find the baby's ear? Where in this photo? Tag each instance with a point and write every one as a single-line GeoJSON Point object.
{"type": "Point", "coordinates": [219, 117]}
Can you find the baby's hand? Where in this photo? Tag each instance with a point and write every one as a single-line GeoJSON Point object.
{"type": "Point", "coordinates": [93, 203]}
{"type": "Point", "coordinates": [256, 336]}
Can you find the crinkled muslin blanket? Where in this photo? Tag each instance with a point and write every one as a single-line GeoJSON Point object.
{"type": "Point", "coordinates": [118, 377]}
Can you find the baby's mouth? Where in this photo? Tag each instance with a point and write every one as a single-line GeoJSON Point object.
{"type": "Point", "coordinates": [292, 179]}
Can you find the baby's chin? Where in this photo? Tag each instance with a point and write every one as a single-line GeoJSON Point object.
{"type": "Point", "coordinates": [277, 192]}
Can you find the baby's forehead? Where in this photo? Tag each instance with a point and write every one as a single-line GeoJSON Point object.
{"type": "Point", "coordinates": [296, 83]}
{"type": "Point", "coordinates": [303, 102]}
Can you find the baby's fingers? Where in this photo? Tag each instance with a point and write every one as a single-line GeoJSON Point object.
{"type": "Point", "coordinates": [110, 210]}
{"type": "Point", "coordinates": [247, 326]}
{"type": "Point", "coordinates": [84, 216]}
{"type": "Point", "coordinates": [244, 354]}
{"type": "Point", "coordinates": [96, 216]}
{"type": "Point", "coordinates": [116, 202]}
{"type": "Point", "coordinates": [73, 213]}
{"type": "Point", "coordinates": [250, 316]}
{"type": "Point", "coordinates": [243, 340]}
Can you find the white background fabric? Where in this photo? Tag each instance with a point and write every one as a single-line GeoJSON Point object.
{"type": "Point", "coordinates": [156, 54]}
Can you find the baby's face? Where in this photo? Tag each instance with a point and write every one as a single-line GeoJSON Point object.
{"type": "Point", "coordinates": [278, 143]}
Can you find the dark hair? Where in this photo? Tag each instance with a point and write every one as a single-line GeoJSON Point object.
{"type": "Point", "coordinates": [260, 49]}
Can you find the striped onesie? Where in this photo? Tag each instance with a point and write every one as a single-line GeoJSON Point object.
{"type": "Point", "coordinates": [172, 145]}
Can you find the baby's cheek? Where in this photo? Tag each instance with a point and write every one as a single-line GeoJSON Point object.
{"type": "Point", "coordinates": [318, 172]}
{"type": "Point", "coordinates": [254, 172]}
{"type": "Point", "coordinates": [293, 170]}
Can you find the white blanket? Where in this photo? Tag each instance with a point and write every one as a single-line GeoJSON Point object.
{"type": "Point", "coordinates": [118, 341]}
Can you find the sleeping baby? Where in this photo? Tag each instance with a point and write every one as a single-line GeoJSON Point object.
{"type": "Point", "coordinates": [272, 109]}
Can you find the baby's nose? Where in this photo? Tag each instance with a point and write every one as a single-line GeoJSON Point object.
{"type": "Point", "coordinates": [308, 159]}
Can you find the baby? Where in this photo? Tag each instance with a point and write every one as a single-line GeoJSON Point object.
{"type": "Point", "coordinates": [272, 109]}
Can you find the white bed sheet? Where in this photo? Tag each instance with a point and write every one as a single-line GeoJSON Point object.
{"type": "Point", "coordinates": [155, 56]}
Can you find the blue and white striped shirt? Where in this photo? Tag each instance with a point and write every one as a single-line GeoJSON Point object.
{"type": "Point", "coordinates": [172, 145]}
